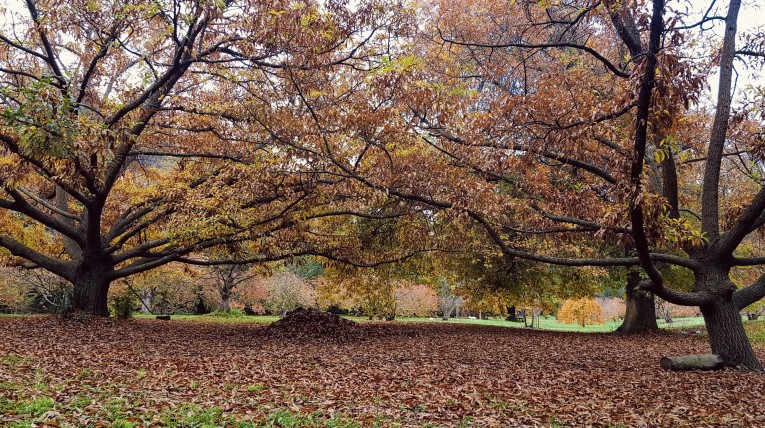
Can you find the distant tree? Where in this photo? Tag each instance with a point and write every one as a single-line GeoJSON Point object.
{"type": "Point", "coordinates": [307, 268]}
{"type": "Point", "coordinates": [11, 292]}
{"type": "Point", "coordinates": [370, 290]}
{"type": "Point", "coordinates": [613, 308]}
{"type": "Point", "coordinates": [331, 295]}
{"type": "Point", "coordinates": [43, 291]}
{"type": "Point", "coordinates": [664, 311]}
{"type": "Point", "coordinates": [584, 311]}
{"type": "Point", "coordinates": [415, 300]}
{"type": "Point", "coordinates": [251, 296]}
{"type": "Point", "coordinates": [287, 291]}
{"type": "Point", "coordinates": [448, 301]}
{"type": "Point", "coordinates": [226, 278]}
{"type": "Point", "coordinates": [165, 290]}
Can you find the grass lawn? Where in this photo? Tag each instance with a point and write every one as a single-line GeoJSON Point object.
{"type": "Point", "coordinates": [217, 318]}
{"type": "Point", "coordinates": [545, 322]}
{"type": "Point", "coordinates": [756, 331]}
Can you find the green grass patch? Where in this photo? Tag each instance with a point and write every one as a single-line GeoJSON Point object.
{"type": "Point", "coordinates": [756, 332]}
{"type": "Point", "coordinates": [11, 359]}
{"type": "Point", "coordinates": [32, 408]}
{"type": "Point", "coordinates": [288, 419]}
{"type": "Point", "coordinates": [682, 322]}
{"type": "Point", "coordinates": [10, 386]}
{"type": "Point", "coordinates": [217, 318]}
{"type": "Point", "coordinates": [258, 387]}
{"type": "Point", "coordinates": [38, 406]}
{"type": "Point", "coordinates": [233, 313]}
{"type": "Point", "coordinates": [545, 322]}
{"type": "Point", "coordinates": [118, 412]}
{"type": "Point", "coordinates": [195, 416]}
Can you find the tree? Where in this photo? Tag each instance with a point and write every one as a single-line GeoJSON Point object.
{"type": "Point", "coordinates": [370, 290]}
{"type": "Point", "coordinates": [613, 308]}
{"type": "Point", "coordinates": [226, 278]}
{"type": "Point", "coordinates": [659, 105]}
{"type": "Point", "coordinates": [584, 311]}
{"type": "Point", "coordinates": [11, 293]}
{"type": "Point", "coordinates": [252, 296]}
{"type": "Point", "coordinates": [125, 126]}
{"type": "Point", "coordinates": [287, 291]}
{"type": "Point", "coordinates": [594, 136]}
{"type": "Point", "coordinates": [34, 290]}
{"type": "Point", "coordinates": [448, 301]}
{"type": "Point", "coordinates": [415, 300]}
{"type": "Point", "coordinates": [168, 289]}
{"type": "Point", "coordinates": [640, 311]}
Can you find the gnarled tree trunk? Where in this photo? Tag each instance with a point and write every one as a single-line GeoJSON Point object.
{"type": "Point", "coordinates": [225, 302]}
{"type": "Point", "coordinates": [91, 289]}
{"type": "Point", "coordinates": [727, 336]}
{"type": "Point", "coordinates": [511, 316]}
{"type": "Point", "coordinates": [641, 310]}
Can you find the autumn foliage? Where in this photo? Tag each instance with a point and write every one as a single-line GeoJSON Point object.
{"type": "Point", "coordinates": [584, 311]}
{"type": "Point", "coordinates": [135, 135]}
{"type": "Point", "coordinates": [613, 308]}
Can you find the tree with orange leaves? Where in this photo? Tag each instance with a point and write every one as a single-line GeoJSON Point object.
{"type": "Point", "coordinates": [135, 134]}
{"type": "Point", "coordinates": [577, 134]}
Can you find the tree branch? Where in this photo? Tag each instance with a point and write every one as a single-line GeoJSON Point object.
{"type": "Point", "coordinates": [710, 209]}
{"type": "Point", "coordinates": [752, 215]}
{"type": "Point", "coordinates": [746, 296]}
{"type": "Point", "coordinates": [609, 65]}
{"type": "Point", "coordinates": [57, 266]}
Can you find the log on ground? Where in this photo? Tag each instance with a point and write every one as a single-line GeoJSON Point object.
{"type": "Point", "coordinates": [693, 362]}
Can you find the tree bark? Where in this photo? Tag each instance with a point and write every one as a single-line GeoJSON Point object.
{"type": "Point", "coordinates": [146, 298]}
{"type": "Point", "coordinates": [225, 303]}
{"type": "Point", "coordinates": [640, 315]}
{"type": "Point", "coordinates": [726, 333]}
{"type": "Point", "coordinates": [91, 290]}
{"type": "Point", "coordinates": [511, 316]}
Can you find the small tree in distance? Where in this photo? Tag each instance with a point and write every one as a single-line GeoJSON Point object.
{"type": "Point", "coordinates": [447, 300]}
{"type": "Point", "coordinates": [415, 300]}
{"type": "Point", "coordinates": [288, 291]}
{"type": "Point", "coordinates": [614, 308]}
{"type": "Point", "coordinates": [582, 311]}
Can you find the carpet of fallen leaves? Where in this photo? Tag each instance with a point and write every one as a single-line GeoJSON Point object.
{"type": "Point", "coordinates": [394, 374]}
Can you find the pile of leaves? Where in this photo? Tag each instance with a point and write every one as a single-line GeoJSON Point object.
{"type": "Point", "coordinates": [149, 373]}
{"type": "Point", "coordinates": [312, 323]}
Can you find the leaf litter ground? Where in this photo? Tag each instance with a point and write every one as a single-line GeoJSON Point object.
{"type": "Point", "coordinates": [159, 373]}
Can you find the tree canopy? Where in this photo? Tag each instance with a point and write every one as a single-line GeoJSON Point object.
{"type": "Point", "coordinates": [577, 134]}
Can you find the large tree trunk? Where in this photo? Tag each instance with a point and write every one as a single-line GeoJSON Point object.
{"type": "Point", "coordinates": [225, 303]}
{"type": "Point", "coordinates": [146, 298]}
{"type": "Point", "coordinates": [511, 313]}
{"type": "Point", "coordinates": [641, 310]}
{"type": "Point", "coordinates": [91, 289]}
{"type": "Point", "coordinates": [726, 334]}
